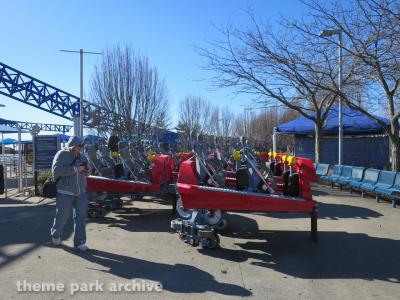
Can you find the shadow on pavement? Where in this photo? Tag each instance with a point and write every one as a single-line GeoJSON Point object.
{"type": "Point", "coordinates": [331, 211]}
{"type": "Point", "coordinates": [178, 278]}
{"type": "Point", "coordinates": [27, 225]}
{"type": "Point", "coordinates": [336, 255]}
{"type": "Point", "coordinates": [319, 193]}
{"type": "Point", "coordinates": [12, 201]}
{"type": "Point", "coordinates": [135, 219]}
{"type": "Point", "coordinates": [342, 211]}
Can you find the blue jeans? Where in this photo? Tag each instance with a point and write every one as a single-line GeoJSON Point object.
{"type": "Point", "coordinates": [64, 203]}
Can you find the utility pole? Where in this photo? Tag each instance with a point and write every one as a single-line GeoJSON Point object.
{"type": "Point", "coordinates": [245, 120]}
{"type": "Point", "coordinates": [247, 130]}
{"type": "Point", "coordinates": [328, 33]}
{"type": "Point", "coordinates": [224, 130]}
{"type": "Point", "coordinates": [78, 129]}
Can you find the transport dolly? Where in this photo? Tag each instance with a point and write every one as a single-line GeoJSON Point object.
{"type": "Point", "coordinates": [205, 236]}
{"type": "Point", "coordinates": [195, 232]}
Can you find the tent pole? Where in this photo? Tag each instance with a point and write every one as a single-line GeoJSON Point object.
{"type": "Point", "coordinates": [274, 140]}
{"type": "Point", "coordinates": [20, 181]}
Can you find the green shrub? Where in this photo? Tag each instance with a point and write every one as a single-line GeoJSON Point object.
{"type": "Point", "coordinates": [43, 176]}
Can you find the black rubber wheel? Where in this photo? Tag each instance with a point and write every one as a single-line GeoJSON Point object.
{"type": "Point", "coordinates": [173, 198]}
{"type": "Point", "coordinates": [214, 217]}
{"type": "Point", "coordinates": [119, 203]}
{"type": "Point", "coordinates": [222, 225]}
{"type": "Point", "coordinates": [213, 243]}
{"type": "Point", "coordinates": [108, 206]}
{"type": "Point", "coordinates": [92, 214]}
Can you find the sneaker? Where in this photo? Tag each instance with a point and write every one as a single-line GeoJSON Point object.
{"type": "Point", "coordinates": [82, 248]}
{"type": "Point", "coordinates": [56, 241]}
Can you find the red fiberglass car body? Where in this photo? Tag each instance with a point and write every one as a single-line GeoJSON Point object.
{"type": "Point", "coordinates": [161, 175]}
{"type": "Point", "coordinates": [196, 196]}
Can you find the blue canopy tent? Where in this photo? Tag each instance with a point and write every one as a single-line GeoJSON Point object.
{"type": "Point", "coordinates": [367, 146]}
{"type": "Point", "coordinates": [354, 122]}
{"type": "Point", "coordinates": [169, 137]}
{"type": "Point", "coordinates": [9, 141]}
{"type": "Point", "coordinates": [91, 137]}
{"type": "Point", "coordinates": [63, 137]}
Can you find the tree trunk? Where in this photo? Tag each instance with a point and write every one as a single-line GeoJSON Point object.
{"type": "Point", "coordinates": [394, 149]}
{"type": "Point", "coordinates": [394, 146]}
{"type": "Point", "coordinates": [318, 146]}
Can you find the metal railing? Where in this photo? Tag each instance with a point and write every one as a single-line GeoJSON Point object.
{"type": "Point", "coordinates": [12, 172]}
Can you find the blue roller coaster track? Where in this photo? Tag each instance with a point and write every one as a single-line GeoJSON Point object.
{"type": "Point", "coordinates": [29, 90]}
{"type": "Point", "coordinates": [31, 125]}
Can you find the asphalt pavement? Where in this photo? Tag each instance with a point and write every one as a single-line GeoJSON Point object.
{"type": "Point", "coordinates": [134, 254]}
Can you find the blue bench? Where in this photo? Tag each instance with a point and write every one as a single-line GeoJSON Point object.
{"type": "Point", "coordinates": [357, 174]}
{"type": "Point", "coordinates": [368, 183]}
{"type": "Point", "coordinates": [382, 183]}
{"type": "Point", "coordinates": [370, 178]}
{"type": "Point", "coordinates": [322, 169]}
{"type": "Point", "coordinates": [393, 192]}
{"type": "Point", "coordinates": [345, 175]}
{"type": "Point", "coordinates": [337, 171]}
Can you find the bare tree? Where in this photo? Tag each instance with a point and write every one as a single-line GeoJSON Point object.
{"type": "Point", "coordinates": [195, 115]}
{"type": "Point", "coordinates": [211, 127]}
{"type": "Point", "coordinates": [239, 126]}
{"type": "Point", "coordinates": [260, 126]}
{"type": "Point", "coordinates": [227, 118]}
{"type": "Point", "coordinates": [127, 85]}
{"type": "Point", "coordinates": [282, 66]}
{"type": "Point", "coordinates": [371, 31]}
{"type": "Point", "coordinates": [151, 102]}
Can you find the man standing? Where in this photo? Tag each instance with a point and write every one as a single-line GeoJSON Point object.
{"type": "Point", "coordinates": [70, 168]}
{"type": "Point", "coordinates": [113, 142]}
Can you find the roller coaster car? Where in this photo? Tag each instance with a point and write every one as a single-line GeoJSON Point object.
{"type": "Point", "coordinates": [160, 176]}
{"type": "Point", "coordinates": [294, 195]}
{"type": "Point", "coordinates": [159, 184]}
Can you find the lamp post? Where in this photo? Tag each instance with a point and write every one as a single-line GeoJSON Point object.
{"type": "Point", "coordinates": [245, 120]}
{"type": "Point", "coordinates": [327, 33]}
{"type": "Point", "coordinates": [3, 161]}
{"type": "Point", "coordinates": [20, 181]}
{"type": "Point", "coordinates": [79, 131]}
{"type": "Point", "coordinates": [224, 130]}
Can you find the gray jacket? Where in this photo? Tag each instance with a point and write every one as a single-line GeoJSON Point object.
{"type": "Point", "coordinates": [71, 182]}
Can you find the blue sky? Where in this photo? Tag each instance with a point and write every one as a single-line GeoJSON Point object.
{"type": "Point", "coordinates": [33, 32]}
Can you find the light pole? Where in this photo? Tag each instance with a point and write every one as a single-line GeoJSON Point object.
{"type": "Point", "coordinates": [3, 161]}
{"type": "Point", "coordinates": [274, 139]}
{"type": "Point", "coordinates": [224, 130]}
{"type": "Point", "coordinates": [327, 33]}
{"type": "Point", "coordinates": [245, 119]}
{"type": "Point", "coordinates": [80, 131]}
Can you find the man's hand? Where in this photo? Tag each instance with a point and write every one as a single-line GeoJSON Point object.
{"type": "Point", "coordinates": [83, 169]}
